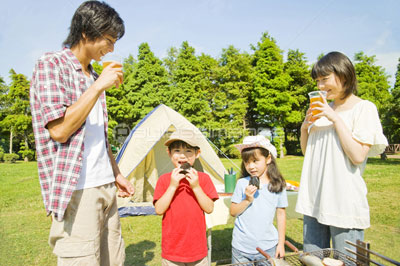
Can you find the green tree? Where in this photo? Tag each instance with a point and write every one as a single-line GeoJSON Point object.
{"type": "Point", "coordinates": [299, 85]}
{"type": "Point", "coordinates": [170, 62]}
{"type": "Point", "coordinates": [186, 94]}
{"type": "Point", "coordinates": [229, 101]}
{"type": "Point", "coordinates": [208, 71]}
{"type": "Point", "coordinates": [271, 96]}
{"type": "Point", "coordinates": [18, 120]}
{"type": "Point", "coordinates": [148, 83]}
{"type": "Point", "coordinates": [392, 119]}
{"type": "Point", "coordinates": [270, 99]}
{"type": "Point", "coordinates": [373, 82]}
{"type": "Point", "coordinates": [4, 107]}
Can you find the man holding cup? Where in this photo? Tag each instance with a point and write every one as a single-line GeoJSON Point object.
{"type": "Point", "coordinates": [77, 171]}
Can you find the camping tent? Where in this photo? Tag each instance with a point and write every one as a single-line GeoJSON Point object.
{"type": "Point", "coordinates": [143, 157]}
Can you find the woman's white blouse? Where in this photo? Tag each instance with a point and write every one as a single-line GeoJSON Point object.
{"type": "Point", "coordinates": [332, 189]}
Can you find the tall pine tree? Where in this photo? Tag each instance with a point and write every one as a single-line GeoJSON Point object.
{"type": "Point", "coordinates": [300, 84]}
{"type": "Point", "coordinates": [392, 117]}
{"type": "Point", "coordinates": [229, 103]}
{"type": "Point", "coordinates": [270, 96]}
{"type": "Point", "coordinates": [271, 100]}
{"type": "Point", "coordinates": [4, 106]}
{"type": "Point", "coordinates": [373, 83]}
{"type": "Point", "coordinates": [148, 85]}
{"type": "Point", "coordinates": [186, 94]}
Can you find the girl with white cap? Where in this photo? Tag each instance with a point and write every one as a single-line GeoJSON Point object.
{"type": "Point", "coordinates": [259, 193]}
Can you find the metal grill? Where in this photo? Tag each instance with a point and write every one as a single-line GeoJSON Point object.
{"type": "Point", "coordinates": [324, 253]}
{"type": "Point", "coordinates": [293, 259]}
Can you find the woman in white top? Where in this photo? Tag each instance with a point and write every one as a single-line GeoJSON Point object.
{"type": "Point", "coordinates": [333, 194]}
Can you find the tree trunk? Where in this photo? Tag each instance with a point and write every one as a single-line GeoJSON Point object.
{"type": "Point", "coordinates": [11, 139]}
{"type": "Point", "coordinates": [282, 154]}
{"type": "Point", "coordinates": [26, 159]}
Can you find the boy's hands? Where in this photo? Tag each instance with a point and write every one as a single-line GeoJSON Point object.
{"type": "Point", "coordinates": [193, 178]}
{"type": "Point", "coordinates": [250, 191]}
{"type": "Point", "coordinates": [176, 177]}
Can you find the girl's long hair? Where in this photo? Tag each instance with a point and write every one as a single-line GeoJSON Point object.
{"type": "Point", "coordinates": [276, 181]}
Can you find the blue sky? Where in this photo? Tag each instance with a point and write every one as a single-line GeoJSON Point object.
{"type": "Point", "coordinates": [30, 28]}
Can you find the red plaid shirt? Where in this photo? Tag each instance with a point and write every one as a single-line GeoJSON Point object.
{"type": "Point", "coordinates": [57, 82]}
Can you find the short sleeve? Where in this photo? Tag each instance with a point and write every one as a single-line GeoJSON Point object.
{"type": "Point", "coordinates": [238, 194]}
{"type": "Point", "coordinates": [282, 199]}
{"type": "Point", "coordinates": [161, 186]}
{"type": "Point", "coordinates": [50, 90]}
{"type": "Point", "coordinates": [367, 128]}
{"type": "Point", "coordinates": [208, 187]}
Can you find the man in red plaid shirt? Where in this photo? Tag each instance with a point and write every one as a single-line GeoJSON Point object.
{"type": "Point", "coordinates": [77, 171]}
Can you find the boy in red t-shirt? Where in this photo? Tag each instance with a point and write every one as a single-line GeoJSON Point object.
{"type": "Point", "coordinates": [182, 197]}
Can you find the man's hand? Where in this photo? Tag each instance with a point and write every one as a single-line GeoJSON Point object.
{"type": "Point", "coordinates": [110, 76]}
{"type": "Point", "coordinates": [125, 188]}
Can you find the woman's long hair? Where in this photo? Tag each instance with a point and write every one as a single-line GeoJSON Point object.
{"type": "Point", "coordinates": [276, 181]}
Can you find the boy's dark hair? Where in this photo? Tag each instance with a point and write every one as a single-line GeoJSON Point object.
{"type": "Point", "coordinates": [181, 144]}
{"type": "Point", "coordinates": [338, 63]}
{"type": "Point", "coordinates": [94, 19]}
{"type": "Point", "coordinates": [276, 181]}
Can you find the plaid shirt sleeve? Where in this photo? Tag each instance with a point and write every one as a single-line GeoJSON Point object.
{"type": "Point", "coordinates": [51, 91]}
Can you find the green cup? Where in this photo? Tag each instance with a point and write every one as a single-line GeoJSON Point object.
{"type": "Point", "coordinates": [230, 183]}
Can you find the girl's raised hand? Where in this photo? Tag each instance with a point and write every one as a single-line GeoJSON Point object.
{"type": "Point", "coordinates": [250, 191]}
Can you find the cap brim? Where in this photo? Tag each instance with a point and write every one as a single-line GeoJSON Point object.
{"type": "Point", "coordinates": [241, 147]}
{"type": "Point", "coordinates": [169, 141]}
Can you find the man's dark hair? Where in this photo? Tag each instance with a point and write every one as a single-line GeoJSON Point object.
{"type": "Point", "coordinates": [338, 63]}
{"type": "Point", "coordinates": [94, 19]}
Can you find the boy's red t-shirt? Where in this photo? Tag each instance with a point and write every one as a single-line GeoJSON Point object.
{"type": "Point", "coordinates": [183, 225]}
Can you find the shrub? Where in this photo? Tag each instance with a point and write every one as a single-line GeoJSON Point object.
{"type": "Point", "coordinates": [10, 157]}
{"type": "Point", "coordinates": [1, 156]}
{"type": "Point", "coordinates": [26, 153]}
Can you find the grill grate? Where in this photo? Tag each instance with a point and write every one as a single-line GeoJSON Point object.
{"type": "Point", "coordinates": [293, 259]}
{"type": "Point", "coordinates": [324, 253]}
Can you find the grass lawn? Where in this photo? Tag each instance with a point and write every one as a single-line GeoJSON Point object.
{"type": "Point", "coordinates": [24, 226]}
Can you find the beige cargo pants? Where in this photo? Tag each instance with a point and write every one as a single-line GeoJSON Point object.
{"type": "Point", "coordinates": [90, 233]}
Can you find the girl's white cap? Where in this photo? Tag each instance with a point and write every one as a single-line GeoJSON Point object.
{"type": "Point", "coordinates": [257, 142]}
